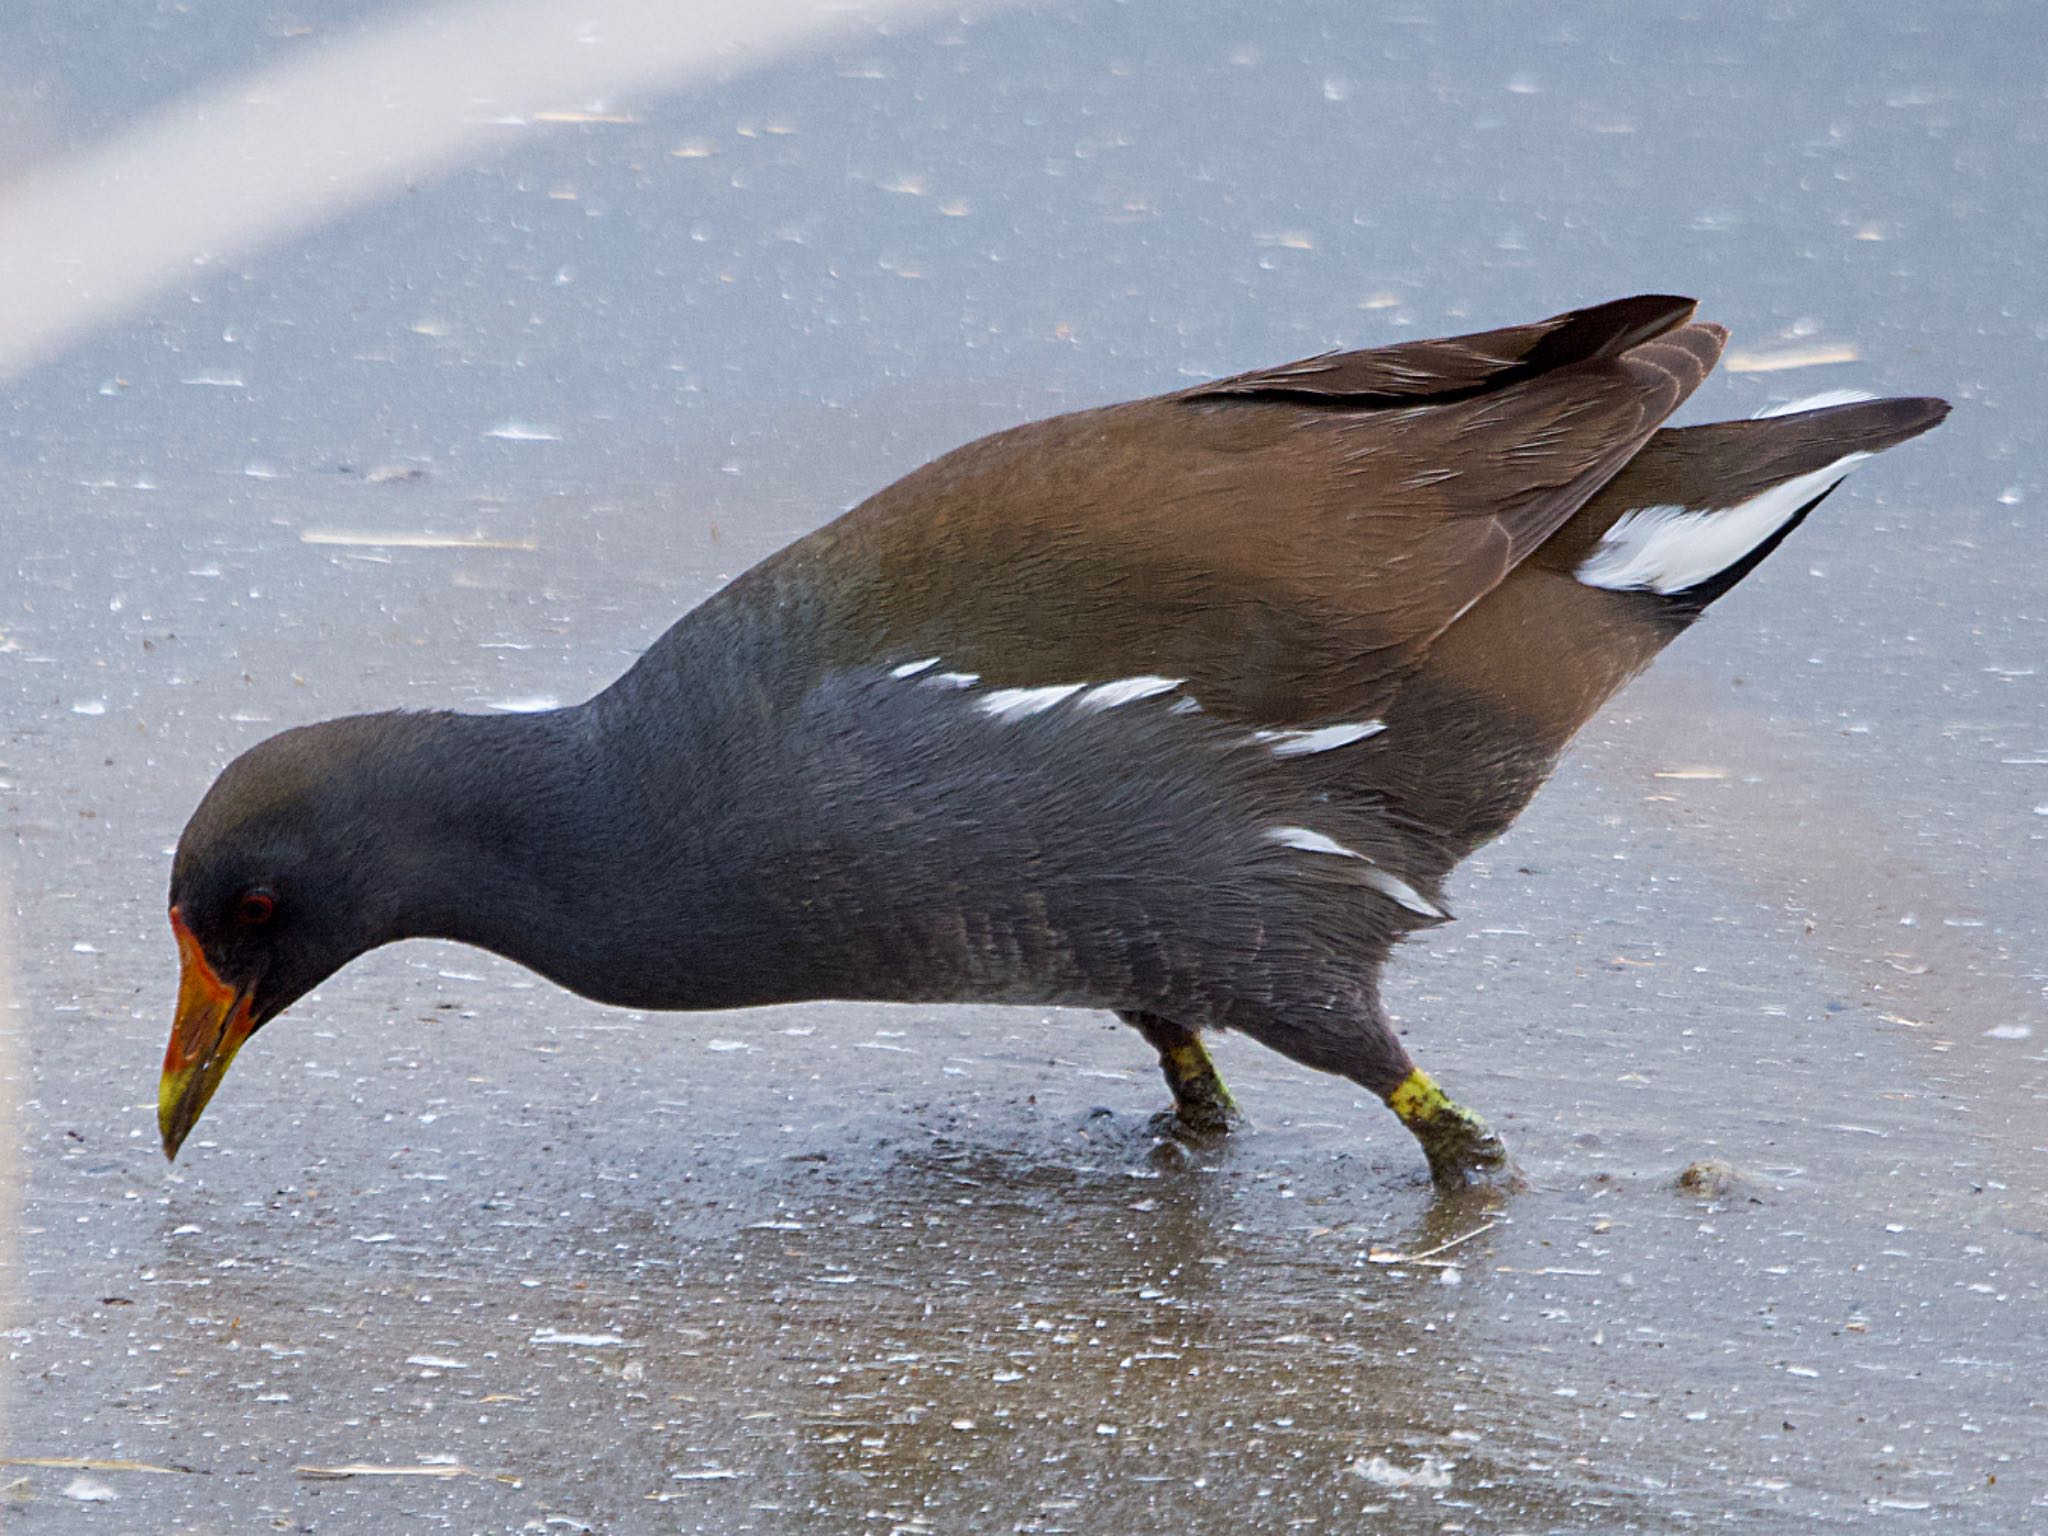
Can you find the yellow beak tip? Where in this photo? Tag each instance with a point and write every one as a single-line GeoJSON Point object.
{"type": "Point", "coordinates": [176, 1111]}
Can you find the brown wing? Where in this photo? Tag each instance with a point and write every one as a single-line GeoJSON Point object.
{"type": "Point", "coordinates": [1289, 542]}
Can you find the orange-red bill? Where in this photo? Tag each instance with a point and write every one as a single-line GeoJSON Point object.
{"type": "Point", "coordinates": [212, 1022]}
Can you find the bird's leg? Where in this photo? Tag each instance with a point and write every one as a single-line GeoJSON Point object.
{"type": "Point", "coordinates": [1363, 1046]}
{"type": "Point", "coordinates": [1200, 1101]}
{"type": "Point", "coordinates": [1461, 1148]}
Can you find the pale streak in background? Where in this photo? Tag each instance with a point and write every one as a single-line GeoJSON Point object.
{"type": "Point", "coordinates": [85, 238]}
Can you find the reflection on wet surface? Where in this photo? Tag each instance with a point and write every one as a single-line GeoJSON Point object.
{"type": "Point", "coordinates": [529, 1264]}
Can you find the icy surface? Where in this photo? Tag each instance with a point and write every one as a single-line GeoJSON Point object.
{"type": "Point", "coordinates": [453, 1250]}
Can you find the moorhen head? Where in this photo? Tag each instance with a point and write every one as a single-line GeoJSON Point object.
{"type": "Point", "coordinates": [1182, 708]}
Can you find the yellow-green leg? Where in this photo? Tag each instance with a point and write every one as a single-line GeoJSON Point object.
{"type": "Point", "coordinates": [1200, 1101]}
{"type": "Point", "coordinates": [1460, 1147]}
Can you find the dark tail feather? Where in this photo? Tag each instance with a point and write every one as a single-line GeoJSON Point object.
{"type": "Point", "coordinates": [1692, 514]}
{"type": "Point", "coordinates": [1701, 507]}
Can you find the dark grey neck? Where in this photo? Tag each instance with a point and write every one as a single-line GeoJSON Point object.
{"type": "Point", "coordinates": [535, 836]}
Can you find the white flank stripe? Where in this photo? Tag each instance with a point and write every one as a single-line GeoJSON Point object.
{"type": "Point", "coordinates": [1310, 841]}
{"type": "Point", "coordinates": [1020, 703]}
{"type": "Point", "coordinates": [1403, 892]}
{"type": "Point", "coordinates": [1187, 706]}
{"type": "Point", "coordinates": [952, 680]}
{"type": "Point", "coordinates": [912, 668]}
{"type": "Point", "coordinates": [1819, 402]}
{"type": "Point", "coordinates": [1325, 738]}
{"type": "Point", "coordinates": [1668, 549]}
{"type": "Point", "coordinates": [1127, 690]}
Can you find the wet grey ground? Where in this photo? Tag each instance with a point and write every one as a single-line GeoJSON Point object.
{"type": "Point", "coordinates": [856, 1268]}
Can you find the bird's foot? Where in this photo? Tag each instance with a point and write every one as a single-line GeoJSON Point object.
{"type": "Point", "coordinates": [1471, 1157]}
{"type": "Point", "coordinates": [1198, 1120]}
{"type": "Point", "coordinates": [1202, 1106]}
{"type": "Point", "coordinates": [1464, 1152]}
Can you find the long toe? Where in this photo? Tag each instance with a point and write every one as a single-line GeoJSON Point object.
{"type": "Point", "coordinates": [1467, 1153]}
{"type": "Point", "coordinates": [1215, 1115]}
{"type": "Point", "coordinates": [1198, 1119]}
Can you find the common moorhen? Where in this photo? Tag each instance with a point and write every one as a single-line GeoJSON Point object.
{"type": "Point", "coordinates": [1182, 708]}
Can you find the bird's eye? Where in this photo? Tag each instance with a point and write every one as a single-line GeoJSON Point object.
{"type": "Point", "coordinates": [255, 907]}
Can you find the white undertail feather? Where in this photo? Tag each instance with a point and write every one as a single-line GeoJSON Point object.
{"type": "Point", "coordinates": [1671, 549]}
{"type": "Point", "coordinates": [1819, 402]}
